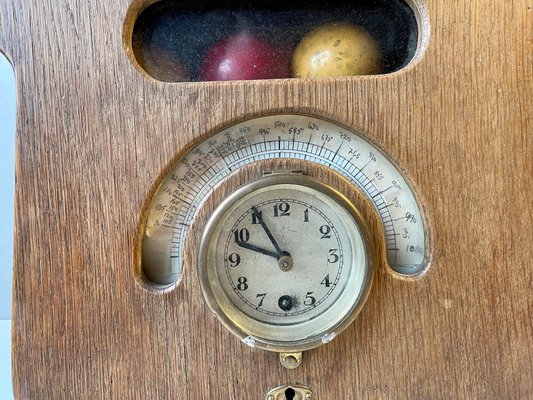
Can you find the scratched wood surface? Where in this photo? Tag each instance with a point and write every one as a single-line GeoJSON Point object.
{"type": "Point", "coordinates": [93, 135]}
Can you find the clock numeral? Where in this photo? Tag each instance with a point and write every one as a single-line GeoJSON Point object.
{"type": "Point", "coordinates": [306, 215]}
{"type": "Point", "coordinates": [241, 235]}
{"type": "Point", "coordinates": [255, 220]}
{"type": "Point", "coordinates": [326, 281]}
{"type": "Point", "coordinates": [325, 231]}
{"type": "Point", "coordinates": [309, 300]}
{"type": "Point", "coordinates": [262, 296]}
{"type": "Point", "coordinates": [234, 259]}
{"type": "Point", "coordinates": [282, 210]}
{"type": "Point", "coordinates": [333, 256]}
{"type": "Point", "coordinates": [243, 283]}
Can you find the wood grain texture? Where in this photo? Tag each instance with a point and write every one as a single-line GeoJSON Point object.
{"type": "Point", "coordinates": [93, 135]}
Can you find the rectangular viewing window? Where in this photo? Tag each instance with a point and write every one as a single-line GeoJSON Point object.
{"type": "Point", "coordinates": [175, 41]}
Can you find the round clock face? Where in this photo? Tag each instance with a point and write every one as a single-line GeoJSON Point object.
{"type": "Point", "coordinates": [283, 254]}
{"type": "Point", "coordinates": [284, 262]}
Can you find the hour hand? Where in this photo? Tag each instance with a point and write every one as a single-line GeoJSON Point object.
{"type": "Point", "coordinates": [246, 245]}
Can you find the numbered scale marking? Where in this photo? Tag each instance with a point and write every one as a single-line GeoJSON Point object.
{"type": "Point", "coordinates": [282, 136]}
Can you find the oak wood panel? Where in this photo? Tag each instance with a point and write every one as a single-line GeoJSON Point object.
{"type": "Point", "coordinates": [93, 135]}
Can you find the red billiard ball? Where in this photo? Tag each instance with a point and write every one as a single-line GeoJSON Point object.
{"type": "Point", "coordinates": [243, 56]}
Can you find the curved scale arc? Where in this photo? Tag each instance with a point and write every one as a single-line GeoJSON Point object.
{"type": "Point", "coordinates": [289, 136]}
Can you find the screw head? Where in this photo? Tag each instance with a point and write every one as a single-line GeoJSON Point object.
{"type": "Point", "coordinates": [290, 360]}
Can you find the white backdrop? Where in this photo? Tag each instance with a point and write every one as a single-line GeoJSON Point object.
{"type": "Point", "coordinates": [7, 147]}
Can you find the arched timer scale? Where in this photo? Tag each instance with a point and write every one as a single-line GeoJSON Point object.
{"type": "Point", "coordinates": [290, 136]}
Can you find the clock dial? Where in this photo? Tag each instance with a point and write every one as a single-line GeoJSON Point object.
{"type": "Point", "coordinates": [310, 237]}
{"type": "Point", "coordinates": [285, 261]}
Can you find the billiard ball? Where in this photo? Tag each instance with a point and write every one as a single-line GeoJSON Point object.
{"type": "Point", "coordinates": [243, 56]}
{"type": "Point", "coordinates": [337, 49]}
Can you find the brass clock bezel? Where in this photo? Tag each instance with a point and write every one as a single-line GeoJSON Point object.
{"type": "Point", "coordinates": [238, 322]}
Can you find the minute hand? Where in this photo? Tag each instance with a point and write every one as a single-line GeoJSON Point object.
{"type": "Point", "coordinates": [257, 215]}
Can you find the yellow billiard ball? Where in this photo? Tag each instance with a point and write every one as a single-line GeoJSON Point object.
{"type": "Point", "coordinates": [337, 49]}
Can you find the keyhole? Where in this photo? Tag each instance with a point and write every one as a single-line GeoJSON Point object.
{"type": "Point", "coordinates": [290, 393]}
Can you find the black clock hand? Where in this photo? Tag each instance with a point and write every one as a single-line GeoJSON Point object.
{"type": "Point", "coordinates": [252, 247]}
{"type": "Point", "coordinates": [258, 216]}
